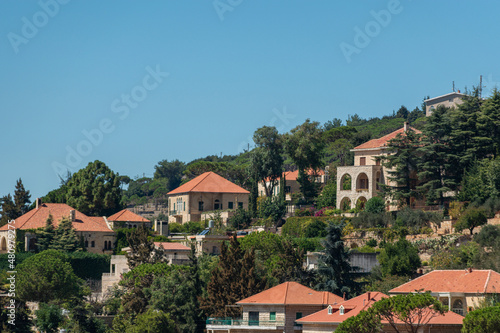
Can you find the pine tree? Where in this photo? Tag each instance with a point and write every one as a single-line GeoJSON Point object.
{"type": "Point", "coordinates": [402, 162]}
{"type": "Point", "coordinates": [490, 121]}
{"type": "Point", "coordinates": [252, 201]}
{"type": "Point", "coordinates": [65, 238]}
{"type": "Point", "coordinates": [437, 165]}
{"type": "Point", "coordinates": [8, 209]}
{"type": "Point", "coordinates": [335, 271]}
{"type": "Point", "coordinates": [21, 198]}
{"type": "Point", "coordinates": [234, 278]}
{"type": "Point", "coordinates": [142, 248]}
{"type": "Point", "coordinates": [290, 265]}
{"type": "Point", "coordinates": [46, 236]}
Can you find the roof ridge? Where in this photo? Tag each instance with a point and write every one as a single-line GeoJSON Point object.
{"type": "Point", "coordinates": [201, 180]}
{"type": "Point", "coordinates": [286, 292]}
{"type": "Point", "coordinates": [487, 281]}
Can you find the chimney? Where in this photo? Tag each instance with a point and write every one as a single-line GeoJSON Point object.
{"type": "Point", "coordinates": [38, 202]}
{"type": "Point", "coordinates": [406, 126]}
{"type": "Point", "coordinates": [458, 91]}
{"type": "Point", "coordinates": [72, 215]}
{"type": "Point", "coordinates": [469, 270]}
{"type": "Point", "coordinates": [369, 296]}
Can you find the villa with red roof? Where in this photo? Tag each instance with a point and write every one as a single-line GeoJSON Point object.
{"type": "Point", "coordinates": [362, 181]}
{"type": "Point", "coordinates": [127, 219]}
{"type": "Point", "coordinates": [461, 290]}
{"type": "Point", "coordinates": [329, 319]}
{"type": "Point", "coordinates": [97, 235]}
{"type": "Point", "coordinates": [275, 310]}
{"type": "Point", "coordinates": [206, 193]}
{"type": "Point", "coordinates": [292, 185]}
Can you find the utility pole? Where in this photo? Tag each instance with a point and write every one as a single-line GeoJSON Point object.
{"type": "Point", "coordinates": [453, 86]}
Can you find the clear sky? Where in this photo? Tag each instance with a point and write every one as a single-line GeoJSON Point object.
{"type": "Point", "coordinates": [131, 83]}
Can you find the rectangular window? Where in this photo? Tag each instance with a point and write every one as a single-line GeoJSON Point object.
{"type": "Point", "coordinates": [272, 316]}
{"type": "Point", "coordinates": [200, 206]}
{"type": "Point", "coordinates": [288, 189]}
{"type": "Point", "coordinates": [377, 162]}
{"type": "Point", "coordinates": [362, 161]}
{"type": "Point", "coordinates": [240, 204]}
{"type": "Point", "coordinates": [298, 315]}
{"type": "Point", "coordinates": [230, 205]}
{"type": "Point", "coordinates": [253, 318]}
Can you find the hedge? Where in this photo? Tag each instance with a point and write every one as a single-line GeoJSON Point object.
{"type": "Point", "coordinates": [296, 226]}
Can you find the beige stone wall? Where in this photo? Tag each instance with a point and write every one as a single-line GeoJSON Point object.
{"type": "Point", "coordinates": [317, 328]}
{"type": "Point", "coordinates": [98, 238]}
{"type": "Point", "coordinates": [372, 173]}
{"type": "Point", "coordinates": [190, 211]}
{"type": "Point", "coordinates": [446, 101]}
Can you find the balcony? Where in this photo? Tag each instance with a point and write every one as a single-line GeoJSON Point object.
{"type": "Point", "coordinates": [252, 325]}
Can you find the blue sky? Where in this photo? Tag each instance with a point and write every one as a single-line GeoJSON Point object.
{"type": "Point", "coordinates": [155, 80]}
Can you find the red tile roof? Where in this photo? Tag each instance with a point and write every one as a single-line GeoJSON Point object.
{"type": "Point", "coordinates": [209, 182]}
{"type": "Point", "coordinates": [293, 175]}
{"type": "Point", "coordinates": [172, 246]}
{"type": "Point", "coordinates": [382, 142]}
{"type": "Point", "coordinates": [355, 305]}
{"type": "Point", "coordinates": [126, 216]}
{"type": "Point", "coordinates": [37, 217]}
{"type": "Point", "coordinates": [352, 308]}
{"type": "Point", "coordinates": [460, 281]}
{"type": "Point", "coordinates": [292, 293]}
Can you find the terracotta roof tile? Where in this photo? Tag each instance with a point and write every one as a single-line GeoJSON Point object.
{"type": "Point", "coordinates": [209, 182]}
{"type": "Point", "coordinates": [355, 305]}
{"type": "Point", "coordinates": [292, 293]}
{"type": "Point", "coordinates": [293, 175]}
{"type": "Point", "coordinates": [352, 307]}
{"type": "Point", "coordinates": [172, 246]}
{"type": "Point", "coordinates": [382, 142]}
{"type": "Point", "coordinates": [461, 281]}
{"type": "Point", "coordinates": [126, 215]}
{"type": "Point", "coordinates": [37, 217]}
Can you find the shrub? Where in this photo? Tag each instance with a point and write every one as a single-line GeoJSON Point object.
{"type": "Point", "coordinates": [375, 205]}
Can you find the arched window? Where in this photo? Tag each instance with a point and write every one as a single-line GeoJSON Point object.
{"type": "Point", "coordinates": [330, 309]}
{"type": "Point", "coordinates": [458, 307]}
{"type": "Point", "coordinates": [362, 182]}
{"type": "Point", "coordinates": [341, 310]}
{"type": "Point", "coordinates": [345, 182]}
{"type": "Point", "coordinates": [217, 204]}
{"type": "Point", "coordinates": [4, 244]}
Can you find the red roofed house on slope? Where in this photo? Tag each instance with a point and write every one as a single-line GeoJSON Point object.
{"type": "Point", "coordinates": [206, 193]}
{"type": "Point", "coordinates": [362, 181]}
{"type": "Point", "coordinates": [329, 319]}
{"type": "Point", "coordinates": [292, 185]}
{"type": "Point", "coordinates": [460, 290]}
{"type": "Point", "coordinates": [275, 309]}
{"type": "Point", "coordinates": [95, 231]}
{"type": "Point", "coordinates": [127, 219]}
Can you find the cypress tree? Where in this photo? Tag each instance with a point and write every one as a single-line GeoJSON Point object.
{"type": "Point", "coordinates": [21, 198]}
{"type": "Point", "coordinates": [490, 121]}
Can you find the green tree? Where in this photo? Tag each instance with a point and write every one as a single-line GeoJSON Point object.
{"type": "Point", "coordinates": [375, 205]}
{"type": "Point", "coordinates": [402, 162]}
{"type": "Point", "coordinates": [82, 320]}
{"type": "Point", "coordinates": [363, 322]}
{"type": "Point", "coordinates": [399, 258]}
{"type": "Point", "coordinates": [172, 171]}
{"type": "Point", "coordinates": [47, 276]}
{"type": "Point", "coordinates": [234, 279]}
{"type": "Point", "coordinates": [151, 321]}
{"type": "Point", "coordinates": [491, 120]}
{"type": "Point", "coordinates": [142, 248]}
{"type": "Point", "coordinates": [23, 322]}
{"type": "Point", "coordinates": [65, 238]}
{"type": "Point", "coordinates": [334, 270]}
{"type": "Point", "coordinates": [95, 190]}
{"type": "Point", "coordinates": [266, 160]}
{"type": "Point", "coordinates": [8, 209]}
{"type": "Point", "coordinates": [48, 318]}
{"type": "Point", "coordinates": [21, 198]}
{"type": "Point", "coordinates": [413, 310]}
{"type": "Point", "coordinates": [46, 236]}
{"type": "Point", "coordinates": [290, 265]}
{"type": "Point", "coordinates": [470, 219]}
{"type": "Point", "coordinates": [437, 165]}
{"type": "Point", "coordinates": [305, 145]}
{"type": "Point", "coordinates": [272, 207]}
{"type": "Point", "coordinates": [331, 124]}
{"type": "Point", "coordinates": [486, 320]}
{"type": "Point", "coordinates": [241, 219]}
{"type": "Point", "coordinates": [328, 197]}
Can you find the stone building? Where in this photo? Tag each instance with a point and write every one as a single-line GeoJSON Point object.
{"type": "Point", "coordinates": [208, 192]}
{"type": "Point", "coordinates": [358, 183]}
{"type": "Point", "coordinates": [127, 219]}
{"type": "Point", "coordinates": [96, 234]}
{"type": "Point", "coordinates": [449, 100]}
{"type": "Point", "coordinates": [292, 186]}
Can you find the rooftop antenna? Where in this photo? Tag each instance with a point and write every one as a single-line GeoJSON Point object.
{"type": "Point", "coordinates": [453, 86]}
{"type": "Point", "coordinates": [480, 86]}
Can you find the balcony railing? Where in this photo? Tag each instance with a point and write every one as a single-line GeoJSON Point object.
{"type": "Point", "coordinates": [458, 311]}
{"type": "Point", "coordinates": [241, 322]}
